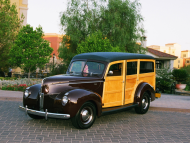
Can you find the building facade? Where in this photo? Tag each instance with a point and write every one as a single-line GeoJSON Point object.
{"type": "Point", "coordinates": [163, 60]}
{"type": "Point", "coordinates": [22, 8]}
{"type": "Point", "coordinates": [186, 56]}
{"type": "Point", "coordinates": [54, 41]}
{"type": "Point", "coordinates": [172, 49]}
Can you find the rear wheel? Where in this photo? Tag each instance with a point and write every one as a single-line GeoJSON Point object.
{"type": "Point", "coordinates": [85, 117]}
{"type": "Point", "coordinates": [145, 103]}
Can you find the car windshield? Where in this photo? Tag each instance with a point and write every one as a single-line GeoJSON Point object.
{"type": "Point", "coordinates": [83, 68]}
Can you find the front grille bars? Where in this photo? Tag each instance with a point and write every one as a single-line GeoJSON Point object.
{"type": "Point", "coordinates": [41, 100]}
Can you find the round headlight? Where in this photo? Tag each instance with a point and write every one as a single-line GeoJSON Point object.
{"type": "Point", "coordinates": [46, 90]}
{"type": "Point", "coordinates": [26, 93]}
{"type": "Point", "coordinates": [65, 100]}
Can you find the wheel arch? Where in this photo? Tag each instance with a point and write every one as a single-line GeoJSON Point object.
{"type": "Point", "coordinates": [141, 88]}
{"type": "Point", "coordinates": [78, 97]}
{"type": "Point", "coordinates": [96, 106]}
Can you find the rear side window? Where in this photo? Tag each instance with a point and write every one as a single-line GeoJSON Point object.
{"type": "Point", "coordinates": [131, 68]}
{"type": "Point", "coordinates": [146, 67]}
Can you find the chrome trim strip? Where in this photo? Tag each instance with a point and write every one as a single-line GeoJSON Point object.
{"type": "Point", "coordinates": [44, 114]}
{"type": "Point", "coordinates": [26, 109]}
{"type": "Point", "coordinates": [42, 102]}
{"type": "Point", "coordinates": [76, 82]}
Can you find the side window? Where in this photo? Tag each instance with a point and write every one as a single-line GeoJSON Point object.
{"type": "Point", "coordinates": [116, 69]}
{"type": "Point", "coordinates": [146, 67]}
{"type": "Point", "coordinates": [93, 67]}
{"type": "Point", "coordinates": [131, 68]}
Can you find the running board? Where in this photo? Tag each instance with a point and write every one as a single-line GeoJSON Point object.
{"type": "Point", "coordinates": [117, 109]}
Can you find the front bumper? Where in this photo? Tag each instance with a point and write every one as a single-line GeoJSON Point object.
{"type": "Point", "coordinates": [44, 114]}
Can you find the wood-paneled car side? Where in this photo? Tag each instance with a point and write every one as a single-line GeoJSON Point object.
{"type": "Point", "coordinates": [95, 84]}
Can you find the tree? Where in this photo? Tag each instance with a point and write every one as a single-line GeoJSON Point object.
{"type": "Point", "coordinates": [30, 50]}
{"type": "Point", "coordinates": [119, 21]}
{"type": "Point", "coordinates": [96, 43]}
{"type": "Point", "coordinates": [10, 24]}
{"type": "Point", "coordinates": [79, 23]}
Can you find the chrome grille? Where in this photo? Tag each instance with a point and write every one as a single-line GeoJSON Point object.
{"type": "Point", "coordinates": [41, 101]}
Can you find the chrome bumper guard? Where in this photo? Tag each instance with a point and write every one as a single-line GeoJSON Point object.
{"type": "Point", "coordinates": [44, 114]}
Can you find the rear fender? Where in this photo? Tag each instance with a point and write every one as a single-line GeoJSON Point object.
{"type": "Point", "coordinates": [141, 88]}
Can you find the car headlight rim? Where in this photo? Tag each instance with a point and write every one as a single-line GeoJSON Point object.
{"type": "Point", "coordinates": [65, 100]}
{"type": "Point", "coordinates": [26, 93]}
{"type": "Point", "coordinates": [46, 90]}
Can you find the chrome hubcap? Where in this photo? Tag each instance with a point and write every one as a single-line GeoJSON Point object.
{"type": "Point", "coordinates": [86, 115]}
{"type": "Point", "coordinates": [145, 102]}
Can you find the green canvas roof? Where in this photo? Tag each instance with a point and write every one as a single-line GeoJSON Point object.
{"type": "Point", "coordinates": [111, 56]}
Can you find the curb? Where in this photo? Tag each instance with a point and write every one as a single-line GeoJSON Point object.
{"type": "Point", "coordinates": [10, 99]}
{"type": "Point", "coordinates": [169, 109]}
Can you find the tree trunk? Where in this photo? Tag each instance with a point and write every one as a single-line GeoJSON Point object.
{"type": "Point", "coordinates": [29, 77]}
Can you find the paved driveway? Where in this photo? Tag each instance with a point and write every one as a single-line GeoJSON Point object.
{"type": "Point", "coordinates": [126, 126]}
{"type": "Point", "coordinates": [172, 101]}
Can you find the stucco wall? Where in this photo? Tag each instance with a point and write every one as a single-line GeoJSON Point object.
{"type": "Point", "coordinates": [174, 49]}
{"type": "Point", "coordinates": [22, 8]}
{"type": "Point", "coordinates": [178, 63]}
{"type": "Point", "coordinates": [55, 40]}
{"type": "Point", "coordinates": [185, 54]}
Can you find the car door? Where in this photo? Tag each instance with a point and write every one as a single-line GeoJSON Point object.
{"type": "Point", "coordinates": [113, 92]}
{"type": "Point", "coordinates": [147, 71]}
{"type": "Point", "coordinates": [131, 80]}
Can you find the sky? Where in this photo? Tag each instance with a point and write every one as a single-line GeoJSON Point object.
{"type": "Point", "coordinates": [165, 21]}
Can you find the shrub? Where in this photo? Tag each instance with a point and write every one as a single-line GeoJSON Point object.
{"type": "Point", "coordinates": [187, 88]}
{"type": "Point", "coordinates": [187, 68]}
{"type": "Point", "coordinates": [20, 87]}
{"type": "Point", "coordinates": [164, 76]}
{"type": "Point", "coordinates": [180, 75]}
{"type": "Point", "coordinates": [8, 78]}
{"type": "Point", "coordinates": [1, 78]}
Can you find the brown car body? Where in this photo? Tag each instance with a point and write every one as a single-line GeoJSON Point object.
{"type": "Point", "coordinates": [47, 97]}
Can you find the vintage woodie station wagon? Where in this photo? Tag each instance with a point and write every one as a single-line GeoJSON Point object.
{"type": "Point", "coordinates": [95, 84]}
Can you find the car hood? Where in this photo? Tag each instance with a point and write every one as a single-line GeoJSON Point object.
{"type": "Point", "coordinates": [68, 79]}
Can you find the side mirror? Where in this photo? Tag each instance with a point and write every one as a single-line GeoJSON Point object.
{"type": "Point", "coordinates": [110, 73]}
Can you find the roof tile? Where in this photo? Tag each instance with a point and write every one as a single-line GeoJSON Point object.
{"type": "Point", "coordinates": [160, 54]}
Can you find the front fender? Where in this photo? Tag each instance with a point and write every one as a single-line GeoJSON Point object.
{"type": "Point", "coordinates": [32, 99]}
{"type": "Point", "coordinates": [78, 97]}
{"type": "Point", "coordinates": [141, 88]}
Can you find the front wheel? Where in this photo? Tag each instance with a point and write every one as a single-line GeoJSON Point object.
{"type": "Point", "coordinates": [85, 117]}
{"type": "Point", "coordinates": [145, 103]}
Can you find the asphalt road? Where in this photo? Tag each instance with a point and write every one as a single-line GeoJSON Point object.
{"type": "Point", "coordinates": [156, 126]}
